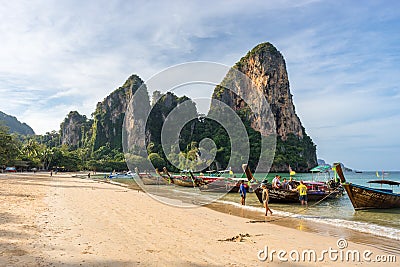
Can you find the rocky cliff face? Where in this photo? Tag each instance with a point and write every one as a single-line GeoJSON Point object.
{"type": "Point", "coordinates": [110, 113]}
{"type": "Point", "coordinates": [74, 129]}
{"type": "Point", "coordinates": [264, 65]}
{"type": "Point", "coordinates": [266, 68]}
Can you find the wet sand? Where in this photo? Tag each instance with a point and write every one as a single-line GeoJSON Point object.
{"type": "Point", "coordinates": [390, 246]}
{"type": "Point", "coordinates": [64, 221]}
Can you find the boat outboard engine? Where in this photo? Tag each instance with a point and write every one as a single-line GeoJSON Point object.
{"type": "Point", "coordinates": [332, 184]}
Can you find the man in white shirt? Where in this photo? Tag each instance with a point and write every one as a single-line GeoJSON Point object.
{"type": "Point", "coordinates": [276, 183]}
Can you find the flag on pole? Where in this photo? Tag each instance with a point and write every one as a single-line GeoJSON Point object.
{"type": "Point", "coordinates": [291, 172]}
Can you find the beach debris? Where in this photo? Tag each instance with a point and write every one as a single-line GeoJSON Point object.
{"type": "Point", "coordinates": [153, 250]}
{"type": "Point", "coordinates": [238, 238]}
{"type": "Point", "coordinates": [257, 221]}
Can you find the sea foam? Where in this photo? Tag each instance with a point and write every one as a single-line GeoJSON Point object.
{"type": "Point", "coordinates": [363, 227]}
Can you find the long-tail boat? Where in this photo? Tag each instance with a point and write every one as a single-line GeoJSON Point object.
{"type": "Point", "coordinates": [213, 175]}
{"type": "Point", "coordinates": [165, 177]}
{"type": "Point", "coordinates": [221, 185]}
{"type": "Point", "coordinates": [149, 179]}
{"type": "Point", "coordinates": [183, 179]}
{"type": "Point", "coordinates": [363, 197]}
{"type": "Point", "coordinates": [229, 184]}
{"type": "Point", "coordinates": [315, 191]}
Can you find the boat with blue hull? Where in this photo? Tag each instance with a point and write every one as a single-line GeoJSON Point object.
{"type": "Point", "coordinates": [316, 191]}
{"type": "Point", "coordinates": [364, 197]}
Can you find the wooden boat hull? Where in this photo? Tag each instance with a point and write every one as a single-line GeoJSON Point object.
{"type": "Point", "coordinates": [228, 185]}
{"type": "Point", "coordinates": [363, 197]}
{"type": "Point", "coordinates": [207, 179]}
{"type": "Point", "coordinates": [371, 198]}
{"type": "Point", "coordinates": [278, 196]}
{"type": "Point", "coordinates": [180, 180]}
{"type": "Point", "coordinates": [148, 179]}
{"type": "Point", "coordinates": [220, 187]}
{"type": "Point", "coordinates": [288, 196]}
{"type": "Point", "coordinates": [153, 181]}
{"type": "Point", "coordinates": [184, 182]}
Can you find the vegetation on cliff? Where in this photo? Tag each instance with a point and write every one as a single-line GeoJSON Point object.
{"type": "Point", "coordinates": [96, 144]}
{"type": "Point", "coordinates": [14, 125]}
{"type": "Point", "coordinates": [266, 68]}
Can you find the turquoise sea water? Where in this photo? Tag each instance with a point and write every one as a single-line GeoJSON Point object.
{"type": "Point", "coordinates": [336, 213]}
{"type": "Point", "coordinates": [340, 212]}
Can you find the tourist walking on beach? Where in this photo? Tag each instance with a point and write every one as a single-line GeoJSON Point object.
{"type": "Point", "coordinates": [302, 193]}
{"type": "Point", "coordinates": [265, 198]}
{"type": "Point", "coordinates": [242, 191]}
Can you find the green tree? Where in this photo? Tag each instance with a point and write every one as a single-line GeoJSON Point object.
{"type": "Point", "coordinates": [47, 157]}
{"type": "Point", "coordinates": [156, 160]}
{"type": "Point", "coordinates": [32, 151]}
{"type": "Point", "coordinates": [9, 147]}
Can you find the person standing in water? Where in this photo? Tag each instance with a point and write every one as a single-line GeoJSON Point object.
{"type": "Point", "coordinates": [242, 191]}
{"type": "Point", "coordinates": [302, 193]}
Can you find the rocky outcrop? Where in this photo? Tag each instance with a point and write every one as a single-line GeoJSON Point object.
{"type": "Point", "coordinates": [110, 113]}
{"type": "Point", "coordinates": [14, 125]}
{"type": "Point", "coordinates": [266, 68]}
{"type": "Point", "coordinates": [75, 129]}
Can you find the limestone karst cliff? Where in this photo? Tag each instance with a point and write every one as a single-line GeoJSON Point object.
{"type": "Point", "coordinates": [110, 113]}
{"type": "Point", "coordinates": [266, 68]}
{"type": "Point", "coordinates": [75, 130]}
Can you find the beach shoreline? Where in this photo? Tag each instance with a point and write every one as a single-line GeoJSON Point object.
{"type": "Point", "coordinates": [384, 243]}
{"type": "Point", "coordinates": [74, 222]}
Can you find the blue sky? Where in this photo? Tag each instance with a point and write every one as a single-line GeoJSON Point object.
{"type": "Point", "coordinates": [342, 58]}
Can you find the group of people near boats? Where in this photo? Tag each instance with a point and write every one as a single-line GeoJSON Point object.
{"type": "Point", "coordinates": [277, 184]}
{"type": "Point", "coordinates": [285, 184]}
{"type": "Point", "coordinates": [287, 191]}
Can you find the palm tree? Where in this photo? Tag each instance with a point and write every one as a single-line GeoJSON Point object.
{"type": "Point", "coordinates": [47, 157]}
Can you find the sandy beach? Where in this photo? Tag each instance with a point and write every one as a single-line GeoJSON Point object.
{"type": "Point", "coordinates": [65, 221]}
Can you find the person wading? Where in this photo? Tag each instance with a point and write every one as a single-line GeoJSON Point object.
{"type": "Point", "coordinates": [242, 191]}
{"type": "Point", "coordinates": [302, 193]}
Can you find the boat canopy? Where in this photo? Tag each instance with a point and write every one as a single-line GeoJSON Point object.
{"type": "Point", "coordinates": [384, 182]}
{"type": "Point", "coordinates": [321, 168]}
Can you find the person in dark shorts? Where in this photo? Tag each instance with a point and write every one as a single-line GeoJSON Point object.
{"type": "Point", "coordinates": [242, 191]}
{"type": "Point", "coordinates": [302, 193]}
